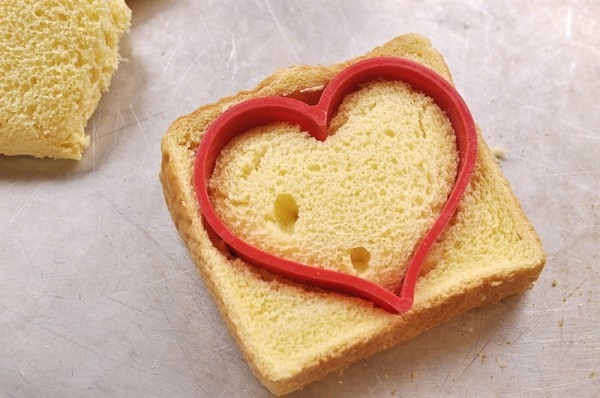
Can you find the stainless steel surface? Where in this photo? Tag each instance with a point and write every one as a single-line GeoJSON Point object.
{"type": "Point", "coordinates": [98, 296]}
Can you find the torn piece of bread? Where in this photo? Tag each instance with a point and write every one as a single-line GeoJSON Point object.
{"type": "Point", "coordinates": [292, 335]}
{"type": "Point", "coordinates": [58, 57]}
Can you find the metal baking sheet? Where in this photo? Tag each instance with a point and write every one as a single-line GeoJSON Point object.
{"type": "Point", "coordinates": [98, 296]}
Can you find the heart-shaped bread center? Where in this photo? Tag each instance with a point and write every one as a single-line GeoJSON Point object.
{"type": "Point", "coordinates": [358, 202]}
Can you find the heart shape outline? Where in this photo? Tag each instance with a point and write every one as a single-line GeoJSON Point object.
{"type": "Point", "coordinates": [314, 119]}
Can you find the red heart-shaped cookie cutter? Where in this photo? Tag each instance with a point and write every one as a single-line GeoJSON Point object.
{"type": "Point", "coordinates": [314, 119]}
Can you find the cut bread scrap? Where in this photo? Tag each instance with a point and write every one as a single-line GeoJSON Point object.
{"type": "Point", "coordinates": [58, 57]}
{"type": "Point", "coordinates": [292, 335]}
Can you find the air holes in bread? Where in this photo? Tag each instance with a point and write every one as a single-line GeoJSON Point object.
{"type": "Point", "coordinates": [360, 257]}
{"type": "Point", "coordinates": [286, 210]}
{"type": "Point", "coordinates": [418, 200]}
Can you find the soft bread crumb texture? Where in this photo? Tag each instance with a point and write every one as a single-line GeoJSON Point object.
{"type": "Point", "coordinates": [360, 201]}
{"type": "Point", "coordinates": [292, 335]}
{"type": "Point", "coordinates": [58, 57]}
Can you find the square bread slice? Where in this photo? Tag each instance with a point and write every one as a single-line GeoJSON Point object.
{"type": "Point", "coordinates": [291, 335]}
{"type": "Point", "coordinates": [58, 57]}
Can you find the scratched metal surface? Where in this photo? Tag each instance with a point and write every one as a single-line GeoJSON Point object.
{"type": "Point", "coordinates": [98, 296]}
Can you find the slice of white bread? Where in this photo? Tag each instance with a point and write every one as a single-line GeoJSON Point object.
{"type": "Point", "coordinates": [58, 57]}
{"type": "Point", "coordinates": [291, 334]}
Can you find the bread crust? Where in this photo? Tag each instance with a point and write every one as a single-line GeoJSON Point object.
{"type": "Point", "coordinates": [433, 306]}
